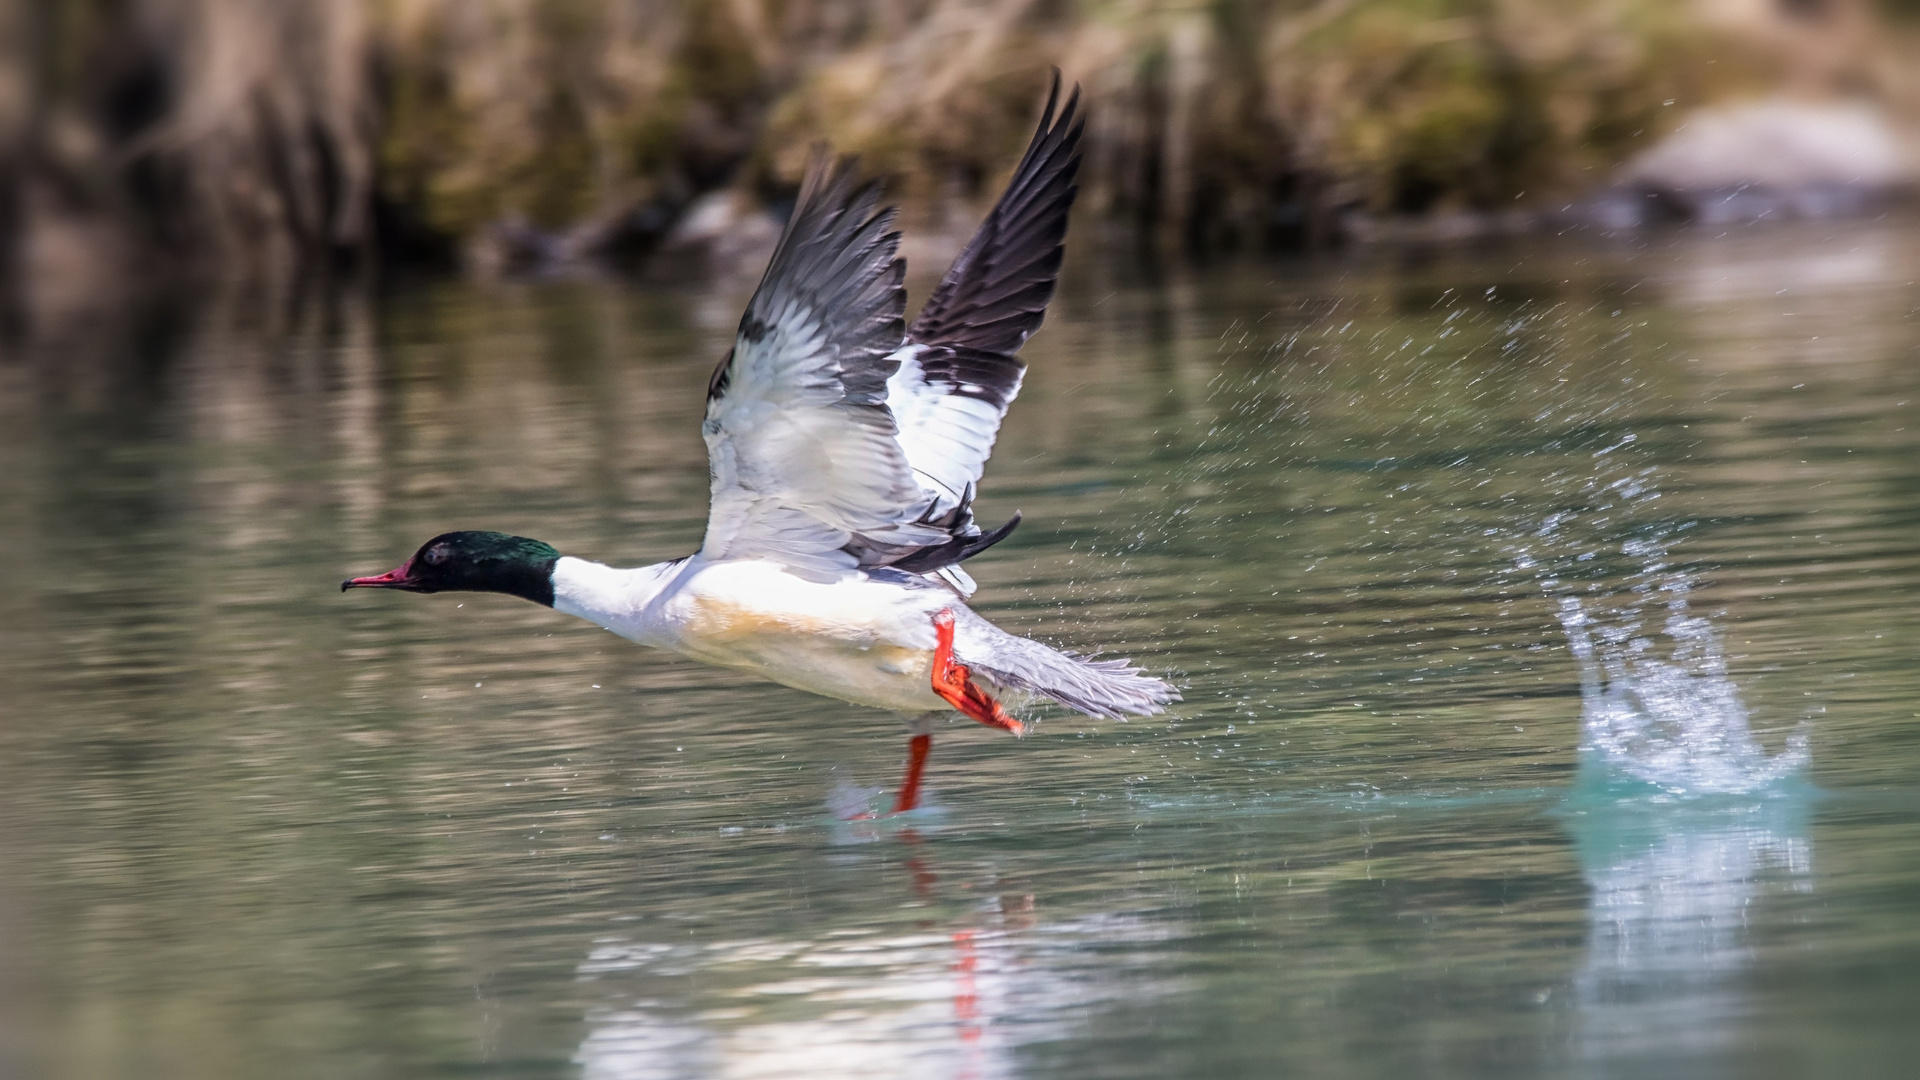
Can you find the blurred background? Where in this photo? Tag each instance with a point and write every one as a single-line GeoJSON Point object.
{"type": "Point", "coordinates": [224, 137]}
{"type": "Point", "coordinates": [1501, 417]}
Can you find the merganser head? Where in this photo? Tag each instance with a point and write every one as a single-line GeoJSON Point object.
{"type": "Point", "coordinates": [472, 562]}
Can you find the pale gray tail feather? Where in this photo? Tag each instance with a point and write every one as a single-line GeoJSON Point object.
{"type": "Point", "coordinates": [1108, 689]}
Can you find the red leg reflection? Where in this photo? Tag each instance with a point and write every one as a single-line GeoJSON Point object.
{"type": "Point", "coordinates": [966, 992]}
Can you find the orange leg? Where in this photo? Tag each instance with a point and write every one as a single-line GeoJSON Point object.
{"type": "Point", "coordinates": [955, 685]}
{"type": "Point", "coordinates": [916, 764]}
{"type": "Point", "coordinates": [952, 682]}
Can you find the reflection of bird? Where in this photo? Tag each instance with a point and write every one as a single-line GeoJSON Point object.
{"type": "Point", "coordinates": [844, 448]}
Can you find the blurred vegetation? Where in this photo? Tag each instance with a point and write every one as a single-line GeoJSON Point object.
{"type": "Point", "coordinates": [263, 132]}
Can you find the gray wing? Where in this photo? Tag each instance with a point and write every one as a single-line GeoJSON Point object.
{"type": "Point", "coordinates": [803, 451]}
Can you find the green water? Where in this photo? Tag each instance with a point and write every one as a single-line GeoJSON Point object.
{"type": "Point", "coordinates": [253, 827]}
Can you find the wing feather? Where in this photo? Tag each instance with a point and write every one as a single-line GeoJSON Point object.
{"type": "Point", "coordinates": [958, 371]}
{"type": "Point", "coordinates": [839, 439]}
{"type": "Point", "coordinates": [803, 451]}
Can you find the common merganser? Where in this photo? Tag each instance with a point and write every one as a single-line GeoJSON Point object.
{"type": "Point", "coordinates": [844, 447]}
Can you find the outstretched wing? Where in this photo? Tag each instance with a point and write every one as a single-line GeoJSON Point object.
{"type": "Point", "coordinates": [833, 443]}
{"type": "Point", "coordinates": [803, 451]}
{"type": "Point", "coordinates": [958, 370]}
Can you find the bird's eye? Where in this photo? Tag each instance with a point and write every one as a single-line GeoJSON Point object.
{"type": "Point", "coordinates": [436, 555]}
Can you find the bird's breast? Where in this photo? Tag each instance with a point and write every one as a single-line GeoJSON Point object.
{"type": "Point", "coordinates": [838, 646]}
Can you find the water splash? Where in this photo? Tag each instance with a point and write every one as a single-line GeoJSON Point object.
{"type": "Point", "coordinates": [1680, 817]}
{"type": "Point", "coordinates": [1673, 721]}
{"type": "Point", "coordinates": [1659, 709]}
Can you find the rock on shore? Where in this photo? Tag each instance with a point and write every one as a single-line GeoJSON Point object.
{"type": "Point", "coordinates": [1775, 158]}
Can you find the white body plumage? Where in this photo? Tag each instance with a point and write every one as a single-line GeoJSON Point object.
{"type": "Point", "coordinates": [854, 638]}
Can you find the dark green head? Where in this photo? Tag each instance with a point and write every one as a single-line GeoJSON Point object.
{"type": "Point", "coordinates": [472, 562]}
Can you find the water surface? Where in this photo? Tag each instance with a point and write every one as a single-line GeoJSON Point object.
{"type": "Point", "coordinates": [1546, 614]}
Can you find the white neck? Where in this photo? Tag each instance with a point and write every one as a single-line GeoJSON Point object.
{"type": "Point", "coordinates": [616, 599]}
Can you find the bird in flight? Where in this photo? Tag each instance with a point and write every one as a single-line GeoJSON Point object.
{"type": "Point", "coordinates": [844, 447]}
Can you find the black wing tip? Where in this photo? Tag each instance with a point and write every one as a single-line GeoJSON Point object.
{"type": "Point", "coordinates": [1052, 123]}
{"type": "Point", "coordinates": [978, 544]}
{"type": "Point", "coordinates": [957, 550]}
{"type": "Point", "coordinates": [826, 169]}
{"type": "Point", "coordinates": [1020, 243]}
{"type": "Point", "coordinates": [989, 539]}
{"type": "Point", "coordinates": [830, 186]}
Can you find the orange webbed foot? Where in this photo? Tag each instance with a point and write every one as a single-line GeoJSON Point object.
{"type": "Point", "coordinates": [953, 682]}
